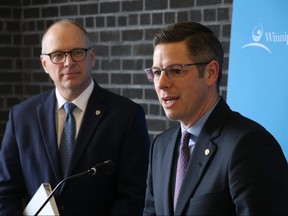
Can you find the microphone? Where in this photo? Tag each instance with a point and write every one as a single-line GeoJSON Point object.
{"type": "Point", "coordinates": [106, 167]}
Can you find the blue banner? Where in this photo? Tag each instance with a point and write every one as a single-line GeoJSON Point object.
{"type": "Point", "coordinates": [258, 65]}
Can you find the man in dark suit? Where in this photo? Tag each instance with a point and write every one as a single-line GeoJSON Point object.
{"type": "Point", "coordinates": [108, 127]}
{"type": "Point", "coordinates": [229, 165]}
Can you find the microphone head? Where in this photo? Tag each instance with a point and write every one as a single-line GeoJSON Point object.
{"type": "Point", "coordinates": [106, 167]}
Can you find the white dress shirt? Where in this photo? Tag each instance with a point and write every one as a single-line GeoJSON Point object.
{"type": "Point", "coordinates": [81, 103]}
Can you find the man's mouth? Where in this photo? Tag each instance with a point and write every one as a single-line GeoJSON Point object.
{"type": "Point", "coordinates": [169, 101]}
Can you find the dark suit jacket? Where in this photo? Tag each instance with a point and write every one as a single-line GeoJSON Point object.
{"type": "Point", "coordinates": [29, 156]}
{"type": "Point", "coordinates": [236, 168]}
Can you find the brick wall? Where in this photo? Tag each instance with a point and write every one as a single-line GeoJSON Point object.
{"type": "Point", "coordinates": [122, 32]}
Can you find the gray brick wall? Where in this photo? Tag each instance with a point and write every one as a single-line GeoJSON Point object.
{"type": "Point", "coordinates": [122, 32]}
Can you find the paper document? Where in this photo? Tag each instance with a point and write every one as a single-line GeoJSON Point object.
{"type": "Point", "coordinates": [38, 199]}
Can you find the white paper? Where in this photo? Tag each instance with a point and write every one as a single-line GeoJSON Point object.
{"type": "Point", "coordinates": [37, 201]}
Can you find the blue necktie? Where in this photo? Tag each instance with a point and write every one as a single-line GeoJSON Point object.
{"type": "Point", "coordinates": [68, 137]}
{"type": "Point", "coordinates": [184, 153]}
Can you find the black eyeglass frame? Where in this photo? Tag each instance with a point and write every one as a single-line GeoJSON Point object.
{"type": "Point", "coordinates": [66, 53]}
{"type": "Point", "coordinates": [150, 74]}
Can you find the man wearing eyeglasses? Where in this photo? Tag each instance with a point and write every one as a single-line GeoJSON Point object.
{"type": "Point", "coordinates": [216, 162]}
{"type": "Point", "coordinates": [43, 144]}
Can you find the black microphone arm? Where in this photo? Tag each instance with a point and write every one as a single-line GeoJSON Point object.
{"type": "Point", "coordinates": [106, 167]}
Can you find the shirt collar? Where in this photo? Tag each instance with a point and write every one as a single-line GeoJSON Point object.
{"type": "Point", "coordinates": [81, 101]}
{"type": "Point", "coordinates": [196, 128]}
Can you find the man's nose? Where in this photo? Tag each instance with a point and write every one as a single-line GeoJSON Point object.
{"type": "Point", "coordinates": [163, 81]}
{"type": "Point", "coordinates": [68, 59]}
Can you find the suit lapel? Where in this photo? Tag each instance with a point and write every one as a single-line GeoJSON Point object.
{"type": "Point", "coordinates": [96, 107]}
{"type": "Point", "coordinates": [46, 117]}
{"type": "Point", "coordinates": [202, 154]}
{"type": "Point", "coordinates": [167, 172]}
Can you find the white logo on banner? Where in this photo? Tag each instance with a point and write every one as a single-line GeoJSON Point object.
{"type": "Point", "coordinates": [271, 37]}
{"type": "Point", "coordinates": [257, 34]}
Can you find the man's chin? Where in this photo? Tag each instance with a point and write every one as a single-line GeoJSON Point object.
{"type": "Point", "coordinates": [171, 115]}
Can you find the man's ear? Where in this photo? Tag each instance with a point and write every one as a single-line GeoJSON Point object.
{"type": "Point", "coordinates": [43, 61]}
{"type": "Point", "coordinates": [212, 72]}
{"type": "Point", "coordinates": [93, 56]}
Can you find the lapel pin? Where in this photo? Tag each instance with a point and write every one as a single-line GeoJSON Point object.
{"type": "Point", "coordinates": [207, 152]}
{"type": "Point", "coordinates": [98, 112]}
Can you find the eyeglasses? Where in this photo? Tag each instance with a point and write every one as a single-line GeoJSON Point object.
{"type": "Point", "coordinates": [59, 57]}
{"type": "Point", "coordinates": [171, 71]}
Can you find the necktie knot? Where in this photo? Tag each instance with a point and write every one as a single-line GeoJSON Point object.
{"type": "Point", "coordinates": [185, 138]}
{"type": "Point", "coordinates": [69, 107]}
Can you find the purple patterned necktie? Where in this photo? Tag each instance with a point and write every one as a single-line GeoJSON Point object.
{"type": "Point", "coordinates": [68, 136]}
{"type": "Point", "coordinates": [183, 159]}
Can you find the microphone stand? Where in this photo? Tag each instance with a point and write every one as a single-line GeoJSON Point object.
{"type": "Point", "coordinates": [91, 171]}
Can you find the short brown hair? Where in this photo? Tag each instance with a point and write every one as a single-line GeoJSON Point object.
{"type": "Point", "coordinates": [201, 42]}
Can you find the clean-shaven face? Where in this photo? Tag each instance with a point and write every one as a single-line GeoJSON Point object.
{"type": "Point", "coordinates": [70, 77]}
{"type": "Point", "coordinates": [185, 98]}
